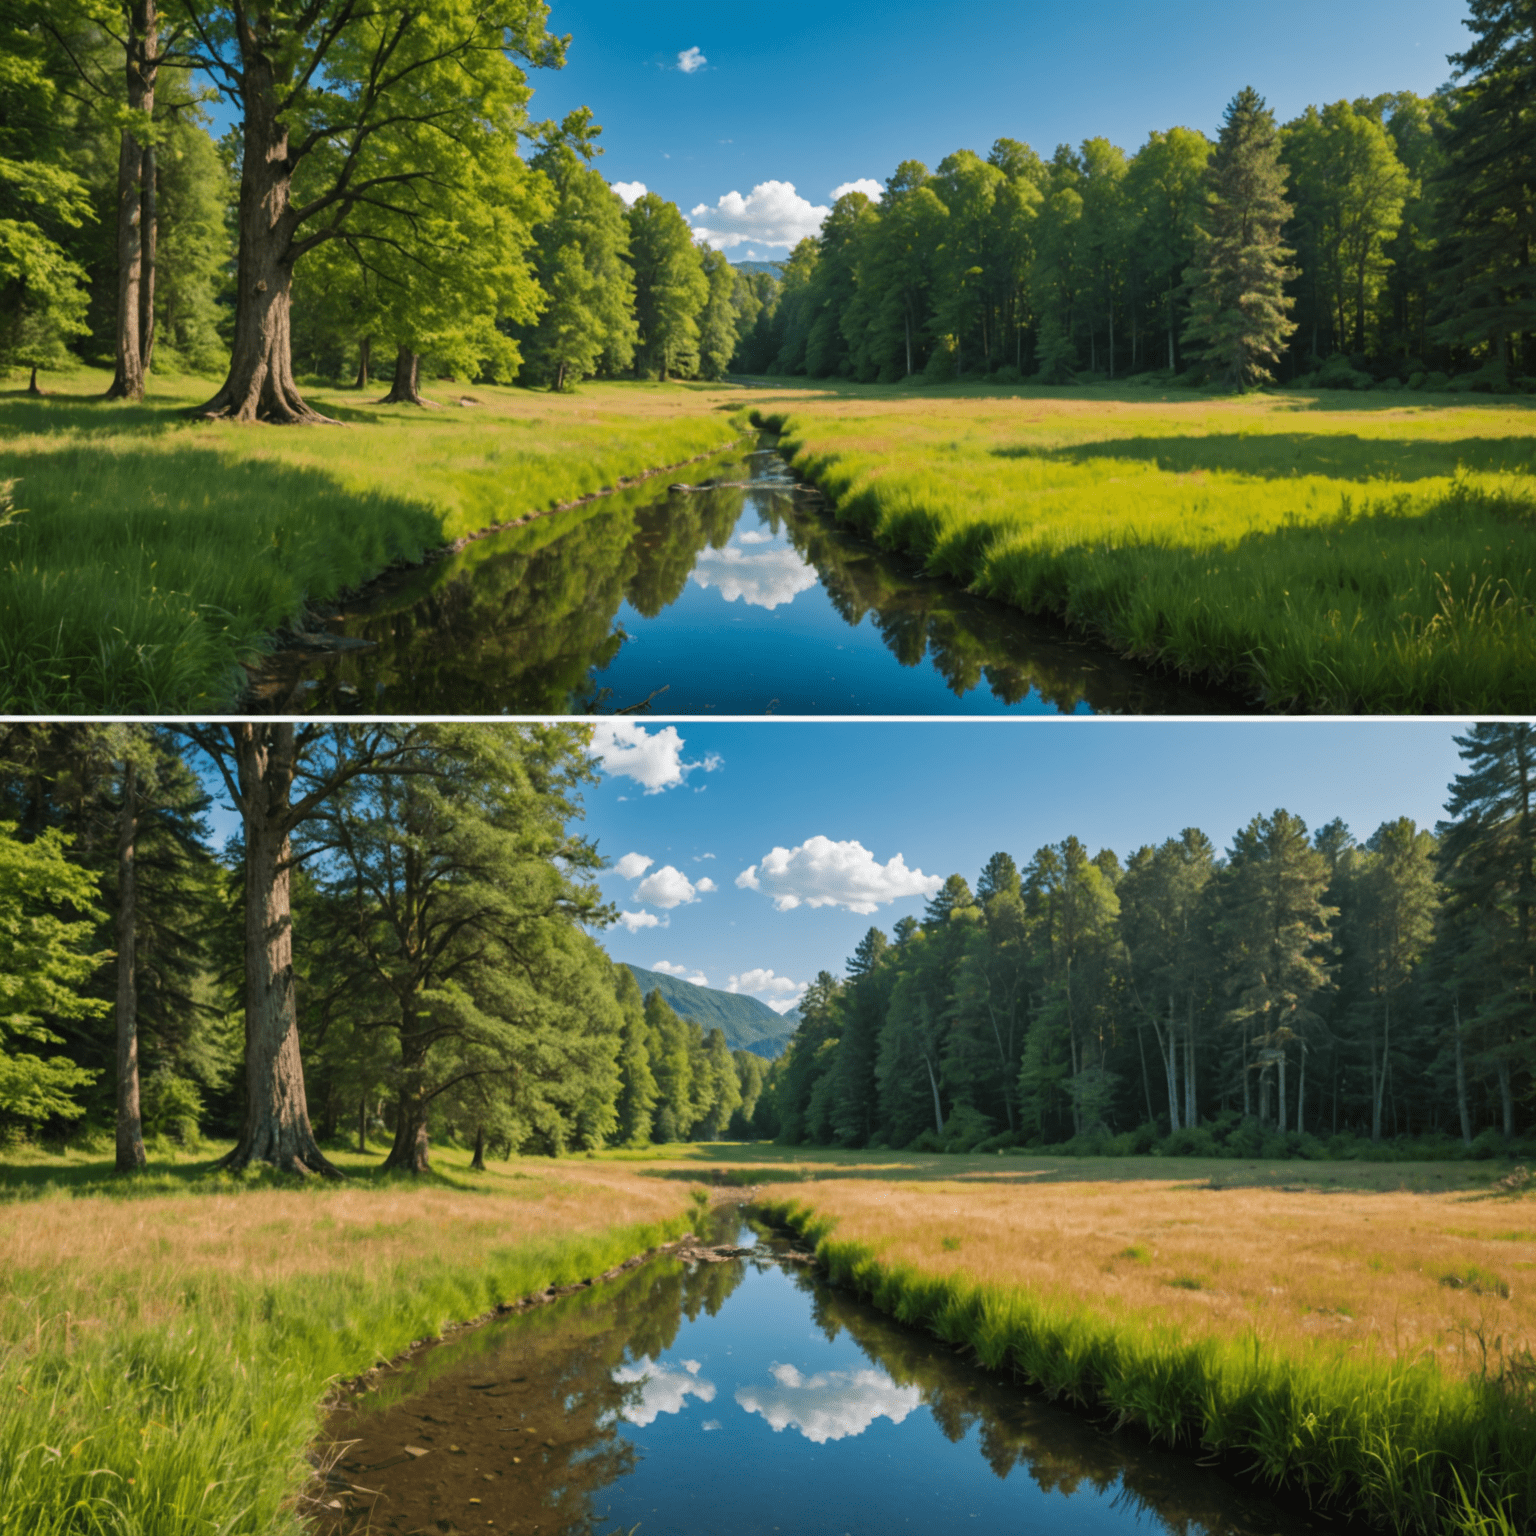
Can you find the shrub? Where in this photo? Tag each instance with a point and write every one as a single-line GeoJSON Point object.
{"type": "Point", "coordinates": [1416, 380]}
{"type": "Point", "coordinates": [1192, 1141]}
{"type": "Point", "coordinates": [1008, 374]}
{"type": "Point", "coordinates": [173, 1109]}
{"type": "Point", "coordinates": [1339, 373]}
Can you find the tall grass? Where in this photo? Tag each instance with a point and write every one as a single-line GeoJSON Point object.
{"type": "Point", "coordinates": [148, 554]}
{"type": "Point", "coordinates": [163, 1362]}
{"type": "Point", "coordinates": [1392, 1439]}
{"type": "Point", "coordinates": [1332, 559]}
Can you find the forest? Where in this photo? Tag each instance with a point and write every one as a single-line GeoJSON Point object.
{"type": "Point", "coordinates": [430, 228]}
{"type": "Point", "coordinates": [1303, 994]}
{"type": "Point", "coordinates": [398, 943]}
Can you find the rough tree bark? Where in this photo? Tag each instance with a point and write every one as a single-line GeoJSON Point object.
{"type": "Point", "coordinates": [405, 390]}
{"type": "Point", "coordinates": [136, 239]}
{"type": "Point", "coordinates": [130, 1130]}
{"type": "Point", "coordinates": [260, 384]}
{"type": "Point", "coordinates": [411, 1151]}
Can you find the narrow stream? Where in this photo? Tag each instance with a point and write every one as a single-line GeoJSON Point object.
{"type": "Point", "coordinates": [747, 1397]}
{"type": "Point", "coordinates": [744, 598]}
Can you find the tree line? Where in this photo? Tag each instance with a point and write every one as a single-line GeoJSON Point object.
{"type": "Point", "coordinates": [1302, 988]}
{"type": "Point", "coordinates": [1386, 240]}
{"type": "Point", "coordinates": [382, 189]}
{"type": "Point", "coordinates": [399, 942]}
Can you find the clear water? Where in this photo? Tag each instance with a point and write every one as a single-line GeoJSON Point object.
{"type": "Point", "coordinates": [741, 599]}
{"type": "Point", "coordinates": [745, 1397]}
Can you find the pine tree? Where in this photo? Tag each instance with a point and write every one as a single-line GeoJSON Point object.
{"type": "Point", "coordinates": [1239, 310]}
{"type": "Point", "coordinates": [1489, 280]}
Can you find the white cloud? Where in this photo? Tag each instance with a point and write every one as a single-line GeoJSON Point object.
{"type": "Point", "coordinates": [632, 866]}
{"type": "Point", "coordinates": [822, 873]}
{"type": "Point", "coordinates": [706, 884]}
{"type": "Point", "coordinates": [635, 921]}
{"type": "Point", "coordinates": [699, 979]}
{"type": "Point", "coordinates": [871, 189]}
{"type": "Point", "coordinates": [755, 536]}
{"type": "Point", "coordinates": [665, 1391]}
{"type": "Point", "coordinates": [690, 61]}
{"type": "Point", "coordinates": [653, 760]}
{"type": "Point", "coordinates": [630, 191]}
{"type": "Point", "coordinates": [779, 992]}
{"type": "Point", "coordinates": [832, 1405]}
{"type": "Point", "coordinates": [772, 213]}
{"type": "Point", "coordinates": [764, 580]}
{"type": "Point", "coordinates": [668, 887]}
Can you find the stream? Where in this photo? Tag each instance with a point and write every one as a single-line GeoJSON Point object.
{"type": "Point", "coordinates": [743, 598]}
{"type": "Point", "coordinates": [743, 1396]}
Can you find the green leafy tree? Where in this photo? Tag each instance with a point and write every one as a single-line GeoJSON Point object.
{"type": "Point", "coordinates": [637, 1083]}
{"type": "Point", "coordinates": [1165, 187]}
{"type": "Point", "coordinates": [1238, 323]}
{"type": "Point", "coordinates": [670, 287]}
{"type": "Point", "coordinates": [44, 964]}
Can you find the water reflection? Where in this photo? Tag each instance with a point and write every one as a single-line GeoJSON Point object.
{"type": "Point", "coordinates": [741, 1396]}
{"type": "Point", "coordinates": [740, 598]}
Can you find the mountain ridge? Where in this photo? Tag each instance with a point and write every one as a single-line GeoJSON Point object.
{"type": "Point", "coordinates": [747, 1024]}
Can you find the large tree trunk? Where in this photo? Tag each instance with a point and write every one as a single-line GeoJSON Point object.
{"type": "Point", "coordinates": [478, 1161]}
{"type": "Point", "coordinates": [410, 1152]}
{"type": "Point", "coordinates": [406, 388]}
{"type": "Point", "coordinates": [135, 203]}
{"type": "Point", "coordinates": [1191, 1119]}
{"type": "Point", "coordinates": [150, 247]}
{"type": "Point", "coordinates": [260, 384]}
{"type": "Point", "coordinates": [130, 1130]}
{"type": "Point", "coordinates": [277, 1128]}
{"type": "Point", "coordinates": [364, 358]}
{"type": "Point", "coordinates": [1506, 1098]}
{"type": "Point", "coordinates": [362, 1123]}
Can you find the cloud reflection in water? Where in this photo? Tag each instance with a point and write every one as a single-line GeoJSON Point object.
{"type": "Point", "coordinates": [764, 580]}
{"type": "Point", "coordinates": [832, 1405]}
{"type": "Point", "coordinates": [665, 1390]}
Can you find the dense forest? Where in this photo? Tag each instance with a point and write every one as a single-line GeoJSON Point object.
{"type": "Point", "coordinates": [397, 944]}
{"type": "Point", "coordinates": [384, 201]}
{"type": "Point", "coordinates": [1387, 240]}
{"type": "Point", "coordinates": [1302, 989]}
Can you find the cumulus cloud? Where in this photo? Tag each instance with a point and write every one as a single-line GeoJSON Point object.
{"type": "Point", "coordinates": [706, 884]}
{"type": "Point", "coordinates": [635, 921]}
{"type": "Point", "coordinates": [765, 580]}
{"type": "Point", "coordinates": [663, 1390]}
{"type": "Point", "coordinates": [831, 1405]}
{"type": "Point", "coordinates": [668, 887]}
{"type": "Point", "coordinates": [691, 60]}
{"type": "Point", "coordinates": [772, 213]}
{"type": "Point", "coordinates": [632, 866]}
{"type": "Point", "coordinates": [871, 189]}
{"type": "Point", "coordinates": [699, 979]}
{"type": "Point", "coordinates": [755, 536]}
{"type": "Point", "coordinates": [779, 992]}
{"type": "Point", "coordinates": [630, 191]}
{"type": "Point", "coordinates": [822, 873]}
{"type": "Point", "coordinates": [653, 759]}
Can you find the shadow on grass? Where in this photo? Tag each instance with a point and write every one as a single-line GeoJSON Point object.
{"type": "Point", "coordinates": [1277, 455]}
{"type": "Point", "coordinates": [742, 1165]}
{"type": "Point", "coordinates": [92, 1177]}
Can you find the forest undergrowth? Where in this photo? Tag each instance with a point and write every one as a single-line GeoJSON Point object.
{"type": "Point", "coordinates": [1365, 1353]}
{"type": "Point", "coordinates": [144, 554]}
{"type": "Point", "coordinates": [1375, 557]}
{"type": "Point", "coordinates": [164, 1361]}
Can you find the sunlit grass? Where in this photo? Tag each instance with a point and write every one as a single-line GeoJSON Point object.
{"type": "Point", "coordinates": [1313, 1333]}
{"type": "Point", "coordinates": [163, 1360]}
{"type": "Point", "coordinates": [1378, 556]}
{"type": "Point", "coordinates": [151, 553]}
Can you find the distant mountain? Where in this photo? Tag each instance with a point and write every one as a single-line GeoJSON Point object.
{"type": "Point", "coordinates": [747, 1024]}
{"type": "Point", "coordinates": [776, 267]}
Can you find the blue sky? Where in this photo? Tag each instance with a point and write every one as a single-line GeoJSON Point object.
{"type": "Point", "coordinates": [942, 798]}
{"type": "Point", "coordinates": [702, 101]}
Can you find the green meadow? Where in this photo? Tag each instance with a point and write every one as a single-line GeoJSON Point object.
{"type": "Point", "coordinates": [146, 554]}
{"type": "Point", "coordinates": [1363, 552]}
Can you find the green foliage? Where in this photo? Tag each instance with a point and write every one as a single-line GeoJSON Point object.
{"type": "Point", "coordinates": [671, 288]}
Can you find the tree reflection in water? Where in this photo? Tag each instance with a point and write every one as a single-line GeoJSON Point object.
{"type": "Point", "coordinates": [534, 1424]}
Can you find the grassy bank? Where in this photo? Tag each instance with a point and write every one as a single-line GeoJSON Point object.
{"type": "Point", "coordinates": [1366, 554]}
{"type": "Point", "coordinates": [1369, 1351]}
{"type": "Point", "coordinates": [166, 1342]}
{"type": "Point", "coordinates": [151, 553]}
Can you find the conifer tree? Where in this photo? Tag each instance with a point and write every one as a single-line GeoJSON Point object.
{"type": "Point", "coordinates": [1239, 310]}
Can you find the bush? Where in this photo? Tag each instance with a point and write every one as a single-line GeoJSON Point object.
{"type": "Point", "coordinates": [1007, 374]}
{"type": "Point", "coordinates": [925, 1141]}
{"type": "Point", "coordinates": [1192, 1141]}
{"type": "Point", "coordinates": [941, 366]}
{"type": "Point", "coordinates": [965, 1129]}
{"type": "Point", "coordinates": [1436, 380]}
{"type": "Point", "coordinates": [1416, 380]}
{"type": "Point", "coordinates": [1339, 373]}
{"type": "Point", "coordinates": [1392, 383]}
{"type": "Point", "coordinates": [173, 1109]}
{"type": "Point", "coordinates": [1089, 376]}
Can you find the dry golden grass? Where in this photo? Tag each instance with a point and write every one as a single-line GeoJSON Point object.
{"type": "Point", "coordinates": [1368, 1270]}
